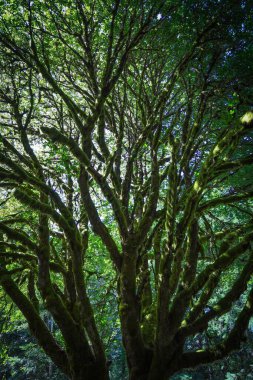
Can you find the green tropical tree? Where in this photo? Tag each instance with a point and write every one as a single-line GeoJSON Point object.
{"type": "Point", "coordinates": [126, 153]}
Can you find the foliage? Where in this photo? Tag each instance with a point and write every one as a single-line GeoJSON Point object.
{"type": "Point", "coordinates": [125, 177]}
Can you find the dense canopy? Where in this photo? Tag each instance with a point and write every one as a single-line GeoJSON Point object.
{"type": "Point", "coordinates": [126, 178]}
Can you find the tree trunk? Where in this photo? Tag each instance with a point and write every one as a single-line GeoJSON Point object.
{"type": "Point", "coordinates": [95, 371]}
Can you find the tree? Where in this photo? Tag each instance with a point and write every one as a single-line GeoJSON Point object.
{"type": "Point", "coordinates": [128, 122]}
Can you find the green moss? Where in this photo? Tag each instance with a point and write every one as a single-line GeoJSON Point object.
{"type": "Point", "coordinates": [123, 307]}
{"type": "Point", "coordinates": [247, 118]}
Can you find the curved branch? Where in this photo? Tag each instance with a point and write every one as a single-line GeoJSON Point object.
{"type": "Point", "coordinates": [224, 200]}
{"type": "Point", "coordinates": [36, 324]}
{"type": "Point", "coordinates": [231, 343]}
